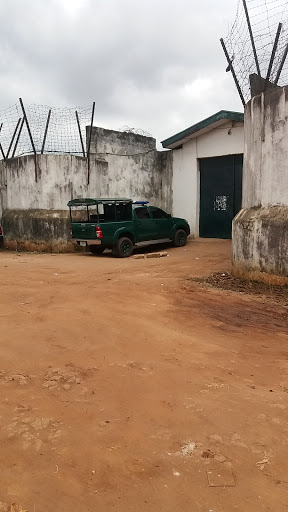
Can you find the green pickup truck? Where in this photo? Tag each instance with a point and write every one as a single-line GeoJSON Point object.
{"type": "Point", "coordinates": [121, 224]}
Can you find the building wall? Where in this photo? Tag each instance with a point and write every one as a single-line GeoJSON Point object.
{"type": "Point", "coordinates": [186, 177]}
{"type": "Point", "coordinates": [260, 230]}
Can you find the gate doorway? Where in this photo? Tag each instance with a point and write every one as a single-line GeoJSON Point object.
{"type": "Point", "coordinates": [220, 194]}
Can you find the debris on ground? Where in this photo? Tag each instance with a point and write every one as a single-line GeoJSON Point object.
{"type": "Point", "coordinates": [220, 477]}
{"type": "Point", "coordinates": [226, 281]}
{"type": "Point", "coordinates": [262, 463]}
{"type": "Point", "coordinates": [188, 448]}
{"type": "Point", "coordinates": [207, 454]}
{"type": "Point", "coordinates": [17, 508]}
{"type": "Point", "coordinates": [20, 378]}
{"type": "Point", "coordinates": [220, 458]}
{"type": "Point", "coordinates": [215, 438]}
{"type": "Point", "coordinates": [64, 377]}
{"type": "Point", "coordinates": [150, 255]}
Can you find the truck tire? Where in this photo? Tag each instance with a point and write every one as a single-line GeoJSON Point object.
{"type": "Point", "coordinates": [123, 248]}
{"type": "Point", "coordinates": [180, 238]}
{"type": "Point", "coordinates": [96, 249]}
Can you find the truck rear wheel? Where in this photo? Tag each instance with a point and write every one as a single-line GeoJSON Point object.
{"type": "Point", "coordinates": [124, 248]}
{"type": "Point", "coordinates": [180, 238]}
{"type": "Point", "coordinates": [96, 249]}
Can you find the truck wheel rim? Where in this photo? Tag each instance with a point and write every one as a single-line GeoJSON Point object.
{"type": "Point", "coordinates": [181, 238]}
{"type": "Point", "coordinates": [125, 247]}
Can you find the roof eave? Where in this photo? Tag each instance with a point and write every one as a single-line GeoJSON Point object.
{"type": "Point", "coordinates": [202, 127]}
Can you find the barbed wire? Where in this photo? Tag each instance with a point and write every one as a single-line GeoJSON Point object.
{"type": "Point", "coordinates": [265, 15]}
{"type": "Point", "coordinates": [62, 134]}
{"type": "Point", "coordinates": [137, 131]}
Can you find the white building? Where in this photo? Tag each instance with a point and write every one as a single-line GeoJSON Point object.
{"type": "Point", "coordinates": [207, 173]}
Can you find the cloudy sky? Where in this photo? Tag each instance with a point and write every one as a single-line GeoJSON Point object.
{"type": "Point", "coordinates": [154, 64]}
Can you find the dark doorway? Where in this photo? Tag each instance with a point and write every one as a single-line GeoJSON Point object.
{"type": "Point", "coordinates": [220, 194]}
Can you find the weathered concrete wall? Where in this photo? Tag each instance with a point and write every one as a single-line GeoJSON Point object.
{"type": "Point", "coordinates": [37, 230]}
{"type": "Point", "coordinates": [260, 230]}
{"type": "Point", "coordinates": [35, 215]}
{"type": "Point", "coordinates": [121, 165]}
{"type": "Point", "coordinates": [134, 167]}
{"type": "Point", "coordinates": [260, 240]}
{"type": "Point", "coordinates": [227, 139]}
{"type": "Point", "coordinates": [3, 189]}
{"type": "Point", "coordinates": [265, 175]}
{"type": "Point", "coordinates": [60, 177]}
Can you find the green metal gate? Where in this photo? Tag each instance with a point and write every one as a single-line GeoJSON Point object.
{"type": "Point", "coordinates": [220, 194]}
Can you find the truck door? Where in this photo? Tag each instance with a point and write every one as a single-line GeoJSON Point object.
{"type": "Point", "coordinates": [162, 223]}
{"type": "Point", "coordinates": [144, 224]}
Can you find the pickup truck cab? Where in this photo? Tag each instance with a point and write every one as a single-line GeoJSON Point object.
{"type": "Point", "coordinates": [121, 224]}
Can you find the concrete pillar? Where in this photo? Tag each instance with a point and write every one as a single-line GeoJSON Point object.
{"type": "Point", "coordinates": [260, 230]}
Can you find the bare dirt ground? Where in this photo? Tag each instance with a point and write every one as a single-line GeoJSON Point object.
{"type": "Point", "coordinates": [127, 386]}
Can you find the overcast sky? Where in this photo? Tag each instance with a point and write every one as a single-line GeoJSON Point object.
{"type": "Point", "coordinates": [150, 64]}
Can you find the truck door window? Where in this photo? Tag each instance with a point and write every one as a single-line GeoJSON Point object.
{"type": "Point", "coordinates": [142, 213]}
{"type": "Point", "coordinates": [157, 213]}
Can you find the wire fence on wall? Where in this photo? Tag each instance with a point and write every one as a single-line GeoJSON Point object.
{"type": "Point", "coordinates": [264, 17]}
{"type": "Point", "coordinates": [52, 130]}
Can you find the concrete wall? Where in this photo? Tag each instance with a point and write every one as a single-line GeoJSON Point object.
{"type": "Point", "coordinates": [134, 167]}
{"type": "Point", "coordinates": [186, 176]}
{"type": "Point", "coordinates": [265, 178]}
{"type": "Point", "coordinates": [3, 189]}
{"type": "Point", "coordinates": [260, 230]}
{"type": "Point", "coordinates": [260, 241]}
{"type": "Point", "coordinates": [121, 165]}
{"type": "Point", "coordinates": [36, 214]}
{"type": "Point", "coordinates": [60, 177]}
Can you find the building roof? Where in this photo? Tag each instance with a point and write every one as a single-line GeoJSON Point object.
{"type": "Point", "coordinates": [202, 127]}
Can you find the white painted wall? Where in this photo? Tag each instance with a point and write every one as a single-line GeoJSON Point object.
{"type": "Point", "coordinates": [186, 178]}
{"type": "Point", "coordinates": [185, 184]}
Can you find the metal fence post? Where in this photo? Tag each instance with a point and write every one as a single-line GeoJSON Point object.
{"type": "Point", "coordinates": [89, 143]}
{"type": "Point", "coordinates": [45, 133]}
{"type": "Point", "coordinates": [80, 134]}
{"type": "Point", "coordinates": [31, 138]}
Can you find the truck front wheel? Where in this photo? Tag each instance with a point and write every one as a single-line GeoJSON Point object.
{"type": "Point", "coordinates": [180, 238]}
{"type": "Point", "coordinates": [124, 248]}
